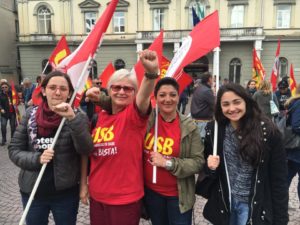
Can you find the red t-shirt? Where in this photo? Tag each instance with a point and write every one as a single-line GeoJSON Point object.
{"type": "Point", "coordinates": [116, 175]}
{"type": "Point", "coordinates": [168, 144]}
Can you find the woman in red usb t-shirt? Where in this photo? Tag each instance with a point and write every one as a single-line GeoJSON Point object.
{"type": "Point", "coordinates": [116, 173]}
{"type": "Point", "coordinates": [179, 157]}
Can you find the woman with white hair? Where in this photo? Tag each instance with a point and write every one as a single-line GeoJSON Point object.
{"type": "Point", "coordinates": [116, 172]}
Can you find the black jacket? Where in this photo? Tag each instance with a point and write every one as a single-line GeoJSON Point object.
{"type": "Point", "coordinates": [73, 141]}
{"type": "Point", "coordinates": [4, 103]}
{"type": "Point", "coordinates": [268, 202]}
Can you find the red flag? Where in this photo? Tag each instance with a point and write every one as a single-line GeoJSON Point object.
{"type": "Point", "coordinates": [275, 68]}
{"type": "Point", "coordinates": [15, 102]}
{"type": "Point", "coordinates": [105, 75]}
{"type": "Point", "coordinates": [88, 85]}
{"type": "Point", "coordinates": [15, 99]}
{"type": "Point", "coordinates": [293, 83]}
{"type": "Point", "coordinates": [204, 37]}
{"type": "Point", "coordinates": [36, 96]}
{"type": "Point", "coordinates": [60, 52]}
{"type": "Point", "coordinates": [157, 46]}
{"type": "Point", "coordinates": [75, 63]}
{"type": "Point", "coordinates": [258, 71]}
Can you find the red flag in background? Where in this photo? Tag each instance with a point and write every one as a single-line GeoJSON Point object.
{"type": "Point", "coordinates": [15, 99]}
{"type": "Point", "coordinates": [275, 69]}
{"type": "Point", "coordinates": [157, 46]}
{"type": "Point", "coordinates": [258, 71]}
{"type": "Point", "coordinates": [293, 83]}
{"type": "Point", "coordinates": [36, 96]}
{"type": "Point", "coordinates": [88, 85]}
{"type": "Point", "coordinates": [60, 52]}
{"type": "Point", "coordinates": [105, 75]}
{"type": "Point", "coordinates": [75, 63]}
{"type": "Point", "coordinates": [204, 37]}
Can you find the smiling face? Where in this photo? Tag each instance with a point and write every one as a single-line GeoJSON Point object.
{"type": "Point", "coordinates": [122, 94]}
{"type": "Point", "coordinates": [56, 91]}
{"type": "Point", "coordinates": [233, 107]}
{"type": "Point", "coordinates": [167, 99]}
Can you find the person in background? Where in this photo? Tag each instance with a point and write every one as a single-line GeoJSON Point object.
{"type": "Point", "coordinates": [28, 89]}
{"type": "Point", "coordinates": [225, 81]}
{"type": "Point", "coordinates": [283, 93]}
{"type": "Point", "coordinates": [116, 174]}
{"type": "Point", "coordinates": [178, 158]}
{"type": "Point", "coordinates": [249, 174]}
{"type": "Point", "coordinates": [29, 149]}
{"type": "Point", "coordinates": [263, 97]}
{"type": "Point", "coordinates": [89, 107]}
{"type": "Point", "coordinates": [293, 155]}
{"type": "Point", "coordinates": [183, 100]}
{"type": "Point", "coordinates": [251, 87]}
{"type": "Point", "coordinates": [203, 101]}
{"type": "Point", "coordinates": [7, 111]}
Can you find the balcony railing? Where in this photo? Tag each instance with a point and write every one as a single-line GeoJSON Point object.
{"type": "Point", "coordinates": [250, 32]}
{"type": "Point", "coordinates": [42, 37]}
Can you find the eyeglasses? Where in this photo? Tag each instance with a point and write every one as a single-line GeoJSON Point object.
{"type": "Point", "coordinates": [61, 88]}
{"type": "Point", "coordinates": [4, 87]}
{"type": "Point", "coordinates": [117, 88]}
{"type": "Point", "coordinates": [98, 83]}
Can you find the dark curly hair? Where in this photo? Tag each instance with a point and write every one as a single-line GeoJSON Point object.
{"type": "Point", "coordinates": [251, 145]}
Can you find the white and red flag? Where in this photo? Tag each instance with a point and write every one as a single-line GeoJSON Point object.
{"type": "Point", "coordinates": [75, 63]}
{"type": "Point", "coordinates": [60, 52]}
{"type": "Point", "coordinates": [275, 69]}
{"type": "Point", "coordinates": [204, 37]}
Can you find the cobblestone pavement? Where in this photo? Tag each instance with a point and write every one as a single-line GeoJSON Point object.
{"type": "Point", "coordinates": [11, 208]}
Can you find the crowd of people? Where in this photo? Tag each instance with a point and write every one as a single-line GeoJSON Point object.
{"type": "Point", "coordinates": [125, 159]}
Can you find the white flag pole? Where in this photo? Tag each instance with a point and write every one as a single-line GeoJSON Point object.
{"type": "Point", "coordinates": [155, 142]}
{"type": "Point", "coordinates": [45, 67]}
{"type": "Point", "coordinates": [217, 73]}
{"type": "Point", "coordinates": [38, 180]}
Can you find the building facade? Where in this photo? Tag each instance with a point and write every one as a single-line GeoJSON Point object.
{"type": "Point", "coordinates": [8, 38]}
{"type": "Point", "coordinates": [245, 24]}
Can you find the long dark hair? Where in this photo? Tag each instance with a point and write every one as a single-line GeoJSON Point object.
{"type": "Point", "coordinates": [250, 128]}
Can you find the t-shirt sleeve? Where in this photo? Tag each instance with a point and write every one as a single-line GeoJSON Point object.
{"type": "Point", "coordinates": [135, 117]}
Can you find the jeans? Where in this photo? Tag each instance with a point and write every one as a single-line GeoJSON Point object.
{"type": "Point", "coordinates": [12, 121]}
{"type": "Point", "coordinates": [293, 169]}
{"type": "Point", "coordinates": [164, 210]}
{"type": "Point", "coordinates": [64, 209]}
{"type": "Point", "coordinates": [239, 212]}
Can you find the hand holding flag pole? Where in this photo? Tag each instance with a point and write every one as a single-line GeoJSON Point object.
{"type": "Point", "coordinates": [38, 180]}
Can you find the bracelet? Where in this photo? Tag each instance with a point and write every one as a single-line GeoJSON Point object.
{"type": "Point", "coordinates": [151, 76]}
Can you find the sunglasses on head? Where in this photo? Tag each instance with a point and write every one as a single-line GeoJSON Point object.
{"type": "Point", "coordinates": [117, 88]}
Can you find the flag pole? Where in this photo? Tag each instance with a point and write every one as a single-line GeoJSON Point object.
{"type": "Point", "coordinates": [155, 142]}
{"type": "Point", "coordinates": [38, 180]}
{"type": "Point", "coordinates": [45, 67]}
{"type": "Point", "coordinates": [217, 73]}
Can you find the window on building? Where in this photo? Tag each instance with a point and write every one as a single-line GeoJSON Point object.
{"type": "Point", "coordinates": [283, 67]}
{"type": "Point", "coordinates": [158, 19]}
{"type": "Point", "coordinates": [283, 17]}
{"type": "Point", "coordinates": [237, 16]}
{"type": "Point", "coordinates": [90, 20]}
{"type": "Point", "coordinates": [235, 66]}
{"type": "Point", "coordinates": [119, 22]}
{"type": "Point", "coordinates": [44, 20]}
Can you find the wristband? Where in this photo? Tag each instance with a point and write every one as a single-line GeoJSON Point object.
{"type": "Point", "coordinates": [151, 76]}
